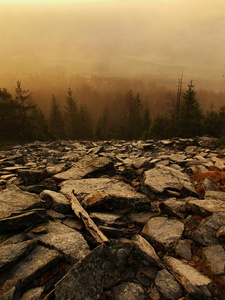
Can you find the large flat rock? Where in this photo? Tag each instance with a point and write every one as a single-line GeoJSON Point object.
{"type": "Point", "coordinates": [36, 263]}
{"type": "Point", "coordinates": [214, 256]}
{"type": "Point", "coordinates": [23, 220]}
{"type": "Point", "coordinates": [85, 280]}
{"type": "Point", "coordinates": [205, 207]}
{"type": "Point", "coordinates": [84, 167]}
{"type": "Point", "coordinates": [145, 252]}
{"type": "Point", "coordinates": [12, 253]}
{"type": "Point", "coordinates": [161, 178]}
{"type": "Point", "coordinates": [163, 230]}
{"type": "Point", "coordinates": [13, 200]}
{"type": "Point", "coordinates": [66, 240]}
{"type": "Point", "coordinates": [205, 233]}
{"type": "Point", "coordinates": [191, 279]}
{"type": "Point", "coordinates": [119, 193]}
{"type": "Point", "coordinates": [57, 201]}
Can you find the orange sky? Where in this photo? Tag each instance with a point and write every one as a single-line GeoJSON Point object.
{"type": "Point", "coordinates": [113, 37]}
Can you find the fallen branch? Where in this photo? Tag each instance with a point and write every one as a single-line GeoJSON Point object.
{"type": "Point", "coordinates": [81, 213]}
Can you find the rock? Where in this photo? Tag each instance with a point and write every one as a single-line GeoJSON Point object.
{"type": "Point", "coordinates": [17, 238]}
{"type": "Point", "coordinates": [163, 230]}
{"type": "Point", "coordinates": [66, 240]}
{"type": "Point", "coordinates": [10, 290]}
{"type": "Point", "coordinates": [209, 185]}
{"type": "Point", "coordinates": [107, 219]}
{"type": "Point", "coordinates": [57, 168]}
{"type": "Point", "coordinates": [173, 208]}
{"type": "Point", "coordinates": [120, 194]}
{"type": "Point", "coordinates": [73, 223]}
{"type": "Point", "coordinates": [220, 234]}
{"type": "Point", "coordinates": [162, 178]}
{"type": "Point", "coordinates": [85, 167]}
{"type": "Point", "coordinates": [57, 201]}
{"type": "Point", "coordinates": [146, 275]}
{"type": "Point", "coordinates": [13, 201]}
{"type": "Point", "coordinates": [192, 280]}
{"type": "Point", "coordinates": [36, 263]}
{"type": "Point", "coordinates": [32, 176]}
{"type": "Point", "coordinates": [205, 207]}
{"type": "Point", "coordinates": [141, 217]}
{"type": "Point", "coordinates": [154, 294]}
{"type": "Point", "coordinates": [214, 256]}
{"type": "Point", "coordinates": [85, 279]}
{"type": "Point", "coordinates": [23, 220]}
{"type": "Point", "coordinates": [216, 195]}
{"type": "Point", "coordinates": [183, 249]}
{"type": "Point", "coordinates": [12, 253]}
{"type": "Point", "coordinates": [94, 199]}
{"type": "Point", "coordinates": [205, 233]}
{"type": "Point", "coordinates": [167, 285]}
{"type": "Point", "coordinates": [128, 291]}
{"type": "Point", "coordinates": [145, 252]}
{"type": "Point", "coordinates": [55, 215]}
{"type": "Point", "coordinates": [33, 294]}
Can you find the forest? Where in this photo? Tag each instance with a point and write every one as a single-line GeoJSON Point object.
{"type": "Point", "coordinates": [100, 113]}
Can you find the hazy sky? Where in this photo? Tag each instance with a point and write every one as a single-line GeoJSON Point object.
{"type": "Point", "coordinates": [113, 37]}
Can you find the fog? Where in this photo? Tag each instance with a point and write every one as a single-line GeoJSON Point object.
{"type": "Point", "coordinates": [113, 38]}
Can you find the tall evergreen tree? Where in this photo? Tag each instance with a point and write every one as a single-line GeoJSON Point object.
{"type": "Point", "coordinates": [133, 116]}
{"type": "Point", "coordinates": [103, 130]}
{"type": "Point", "coordinates": [146, 123]}
{"type": "Point", "coordinates": [85, 126]}
{"type": "Point", "coordinates": [71, 116]}
{"type": "Point", "coordinates": [191, 116]}
{"type": "Point", "coordinates": [24, 99]}
{"type": "Point", "coordinates": [56, 119]}
{"type": "Point", "coordinates": [9, 118]}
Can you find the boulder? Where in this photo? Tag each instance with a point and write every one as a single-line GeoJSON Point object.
{"type": "Point", "coordinates": [161, 178]}
{"type": "Point", "coordinates": [66, 240]}
{"type": "Point", "coordinates": [167, 285]}
{"type": "Point", "coordinates": [85, 279]}
{"type": "Point", "coordinates": [191, 279]}
{"type": "Point", "coordinates": [214, 256]}
{"type": "Point", "coordinates": [163, 230]}
{"type": "Point", "coordinates": [128, 291]}
{"type": "Point", "coordinates": [206, 232]}
{"type": "Point", "coordinates": [13, 201]}
{"type": "Point", "coordinates": [86, 167]}
{"type": "Point", "coordinates": [120, 194]}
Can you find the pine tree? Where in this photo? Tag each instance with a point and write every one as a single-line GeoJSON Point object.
{"type": "Point", "coordinates": [56, 119]}
{"type": "Point", "coordinates": [133, 116]}
{"type": "Point", "coordinates": [103, 131]}
{"type": "Point", "coordinates": [24, 99]}
{"type": "Point", "coordinates": [85, 127]}
{"type": "Point", "coordinates": [191, 116]}
{"type": "Point", "coordinates": [71, 116]}
{"type": "Point", "coordinates": [9, 118]}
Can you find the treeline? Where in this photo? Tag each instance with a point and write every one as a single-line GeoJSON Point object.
{"type": "Point", "coordinates": [127, 117]}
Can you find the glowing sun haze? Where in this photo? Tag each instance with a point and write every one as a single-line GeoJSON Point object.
{"type": "Point", "coordinates": [113, 37]}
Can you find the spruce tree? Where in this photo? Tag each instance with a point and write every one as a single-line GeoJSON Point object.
{"type": "Point", "coordinates": [71, 116]}
{"type": "Point", "coordinates": [56, 119]}
{"type": "Point", "coordinates": [191, 116]}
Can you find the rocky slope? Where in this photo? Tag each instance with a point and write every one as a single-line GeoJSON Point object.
{"type": "Point", "coordinates": [112, 220]}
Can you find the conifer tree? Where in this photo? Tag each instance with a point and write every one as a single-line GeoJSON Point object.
{"type": "Point", "coordinates": [24, 99]}
{"type": "Point", "coordinates": [133, 116]}
{"type": "Point", "coordinates": [103, 131]}
{"type": "Point", "coordinates": [85, 126]}
{"type": "Point", "coordinates": [191, 116]}
{"type": "Point", "coordinates": [71, 116]}
{"type": "Point", "coordinates": [56, 119]}
{"type": "Point", "coordinates": [9, 118]}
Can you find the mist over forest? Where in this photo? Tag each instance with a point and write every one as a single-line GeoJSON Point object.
{"type": "Point", "coordinates": [112, 60]}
